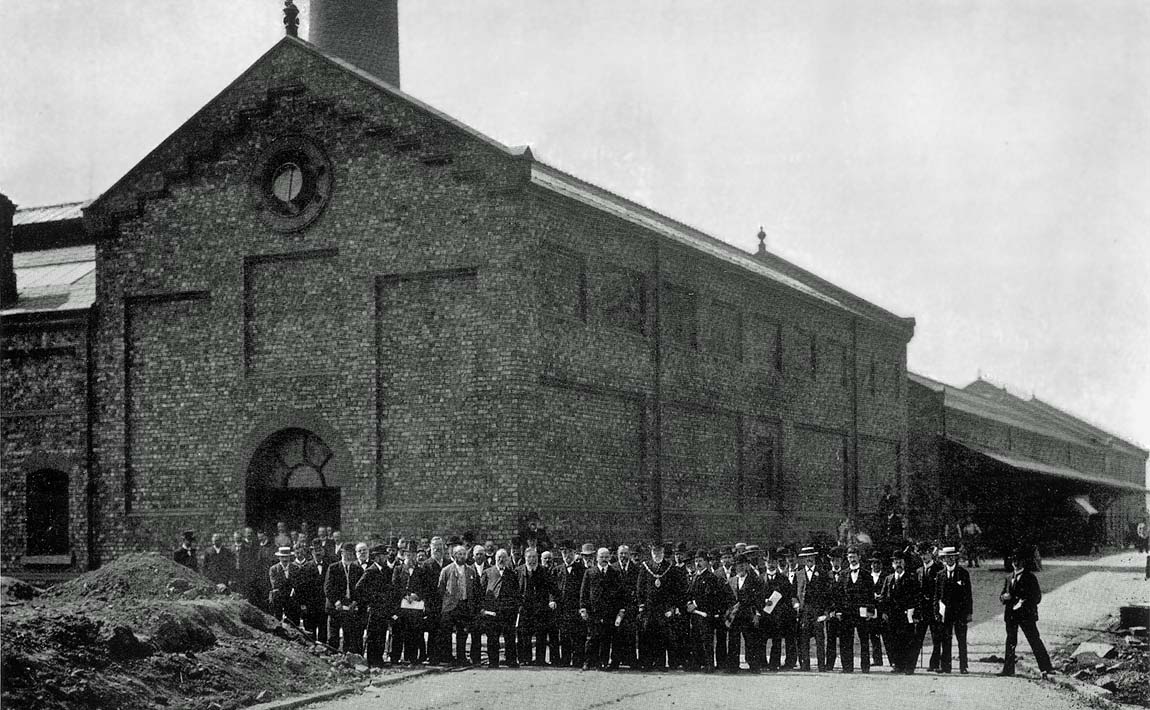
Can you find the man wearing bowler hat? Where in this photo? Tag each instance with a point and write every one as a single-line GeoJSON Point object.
{"type": "Point", "coordinates": [778, 611]}
{"type": "Point", "coordinates": [185, 554]}
{"type": "Point", "coordinates": [743, 617]}
{"type": "Point", "coordinates": [375, 595]}
{"type": "Point", "coordinates": [708, 598]}
{"type": "Point", "coordinates": [569, 581]}
{"type": "Point", "coordinates": [955, 607]}
{"type": "Point", "coordinates": [899, 603]}
{"type": "Point", "coordinates": [342, 610]}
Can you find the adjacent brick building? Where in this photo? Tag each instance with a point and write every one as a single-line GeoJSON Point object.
{"type": "Point", "coordinates": [1023, 469]}
{"type": "Point", "coordinates": [323, 299]}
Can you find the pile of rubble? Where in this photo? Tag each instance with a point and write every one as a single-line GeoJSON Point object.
{"type": "Point", "coordinates": [1117, 661]}
{"type": "Point", "coordinates": [144, 632]}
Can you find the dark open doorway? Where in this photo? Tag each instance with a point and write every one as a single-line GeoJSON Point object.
{"type": "Point", "coordinates": [286, 482]}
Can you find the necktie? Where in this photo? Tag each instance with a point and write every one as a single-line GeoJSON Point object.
{"type": "Point", "coordinates": [347, 578]}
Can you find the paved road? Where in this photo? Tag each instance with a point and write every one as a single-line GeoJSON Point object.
{"type": "Point", "coordinates": [1078, 593]}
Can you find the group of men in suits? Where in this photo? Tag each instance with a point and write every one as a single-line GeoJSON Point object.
{"type": "Point", "coordinates": [589, 607]}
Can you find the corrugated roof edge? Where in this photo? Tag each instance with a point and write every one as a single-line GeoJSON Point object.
{"type": "Point", "coordinates": [43, 214]}
{"type": "Point", "coordinates": [854, 304]}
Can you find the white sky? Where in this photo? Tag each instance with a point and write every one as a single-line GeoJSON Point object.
{"type": "Point", "coordinates": [981, 165]}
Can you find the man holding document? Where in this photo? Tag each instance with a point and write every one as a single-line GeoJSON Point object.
{"type": "Point", "coordinates": [855, 610]}
{"type": "Point", "coordinates": [778, 612]}
{"type": "Point", "coordinates": [708, 598]}
{"type": "Point", "coordinates": [899, 600]}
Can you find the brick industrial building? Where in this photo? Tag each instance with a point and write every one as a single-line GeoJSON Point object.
{"type": "Point", "coordinates": [320, 298]}
{"type": "Point", "coordinates": [1021, 468]}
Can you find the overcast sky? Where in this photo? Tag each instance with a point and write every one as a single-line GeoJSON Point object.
{"type": "Point", "coordinates": [983, 166]}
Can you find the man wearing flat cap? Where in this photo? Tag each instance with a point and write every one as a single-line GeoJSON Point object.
{"type": "Point", "coordinates": [899, 603]}
{"type": "Point", "coordinates": [659, 595]}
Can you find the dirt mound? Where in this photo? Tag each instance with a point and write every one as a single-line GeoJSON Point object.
{"type": "Point", "coordinates": [136, 576]}
{"type": "Point", "coordinates": [143, 632]}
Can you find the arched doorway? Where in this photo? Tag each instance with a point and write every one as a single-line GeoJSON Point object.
{"type": "Point", "coordinates": [288, 479]}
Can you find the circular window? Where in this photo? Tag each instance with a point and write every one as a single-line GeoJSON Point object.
{"type": "Point", "coordinates": [291, 183]}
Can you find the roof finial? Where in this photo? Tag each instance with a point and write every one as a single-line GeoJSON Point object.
{"type": "Point", "coordinates": [291, 19]}
{"type": "Point", "coordinates": [762, 241]}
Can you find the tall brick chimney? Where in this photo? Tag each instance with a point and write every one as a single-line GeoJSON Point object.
{"type": "Point", "coordinates": [362, 32]}
{"type": "Point", "coordinates": [7, 271]}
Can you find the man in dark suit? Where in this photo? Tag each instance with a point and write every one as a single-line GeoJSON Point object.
{"type": "Point", "coordinates": [855, 608]}
{"type": "Point", "coordinates": [723, 570]}
{"type": "Point", "coordinates": [877, 625]}
{"type": "Point", "coordinates": [500, 610]}
{"type": "Point", "coordinates": [812, 604]}
{"type": "Point", "coordinates": [601, 606]}
{"type": "Point", "coordinates": [281, 601]}
{"type": "Point", "coordinates": [624, 650]}
{"type": "Point", "coordinates": [659, 595]}
{"type": "Point", "coordinates": [927, 577]}
{"type": "Point", "coordinates": [955, 607]}
{"type": "Point", "coordinates": [569, 582]}
{"type": "Point", "coordinates": [438, 636]}
{"type": "Point", "coordinates": [342, 610]}
{"type": "Point", "coordinates": [307, 593]}
{"type": "Point", "coordinates": [742, 618]}
{"type": "Point", "coordinates": [540, 599]}
{"type": "Point", "coordinates": [899, 601]}
{"type": "Point", "coordinates": [185, 554]}
{"type": "Point", "coordinates": [409, 584]}
{"type": "Point", "coordinates": [459, 591]}
{"type": "Point", "coordinates": [219, 564]}
{"type": "Point", "coordinates": [374, 594]}
{"type": "Point", "coordinates": [1021, 595]}
{"type": "Point", "coordinates": [835, 574]}
{"type": "Point", "coordinates": [776, 623]}
{"type": "Point", "coordinates": [708, 598]}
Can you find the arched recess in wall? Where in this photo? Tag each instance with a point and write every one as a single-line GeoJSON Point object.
{"type": "Point", "coordinates": [47, 504]}
{"type": "Point", "coordinates": [292, 465]}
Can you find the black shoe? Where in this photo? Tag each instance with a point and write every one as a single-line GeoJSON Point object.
{"type": "Point", "coordinates": [964, 671]}
{"type": "Point", "coordinates": [1005, 673]}
{"type": "Point", "coordinates": [586, 666]}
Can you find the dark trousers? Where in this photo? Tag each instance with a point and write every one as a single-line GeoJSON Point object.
{"type": "Point", "coordinates": [376, 643]}
{"type": "Point", "coordinates": [935, 641]}
{"type": "Point", "coordinates": [721, 646]}
{"type": "Point", "coordinates": [624, 651]}
{"type": "Point", "coordinates": [600, 634]}
{"type": "Point", "coordinates": [1030, 630]}
{"type": "Point", "coordinates": [679, 641]}
{"type": "Point", "coordinates": [774, 640]}
{"type": "Point", "coordinates": [350, 623]}
{"type": "Point", "coordinates": [745, 633]}
{"type": "Point", "coordinates": [438, 637]}
{"type": "Point", "coordinates": [833, 630]}
{"type": "Point", "coordinates": [407, 637]}
{"type": "Point", "coordinates": [959, 629]}
{"type": "Point", "coordinates": [702, 643]}
{"type": "Point", "coordinates": [655, 636]}
{"type": "Point", "coordinates": [791, 641]}
{"type": "Point", "coordinates": [459, 620]}
{"type": "Point", "coordinates": [532, 628]}
{"type": "Point", "coordinates": [501, 627]}
{"type": "Point", "coordinates": [901, 649]}
{"type": "Point", "coordinates": [876, 637]}
{"type": "Point", "coordinates": [312, 618]}
{"type": "Point", "coordinates": [808, 627]}
{"type": "Point", "coordinates": [572, 640]}
{"type": "Point", "coordinates": [847, 631]}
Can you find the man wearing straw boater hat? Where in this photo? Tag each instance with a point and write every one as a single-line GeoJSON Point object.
{"type": "Point", "coordinates": [954, 608]}
{"type": "Point", "coordinates": [812, 600]}
{"type": "Point", "coordinates": [279, 582]}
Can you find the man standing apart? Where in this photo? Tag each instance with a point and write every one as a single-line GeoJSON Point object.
{"type": "Point", "coordinates": [955, 606]}
{"type": "Point", "coordinates": [1021, 596]}
{"type": "Point", "coordinates": [601, 606]}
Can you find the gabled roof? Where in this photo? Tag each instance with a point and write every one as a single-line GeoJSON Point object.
{"type": "Point", "coordinates": [139, 180]}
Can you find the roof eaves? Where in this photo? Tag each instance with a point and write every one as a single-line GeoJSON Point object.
{"type": "Point", "coordinates": [563, 183]}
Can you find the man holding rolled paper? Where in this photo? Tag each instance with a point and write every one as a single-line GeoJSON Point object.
{"type": "Point", "coordinates": [899, 601]}
{"type": "Point", "coordinates": [778, 610]}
